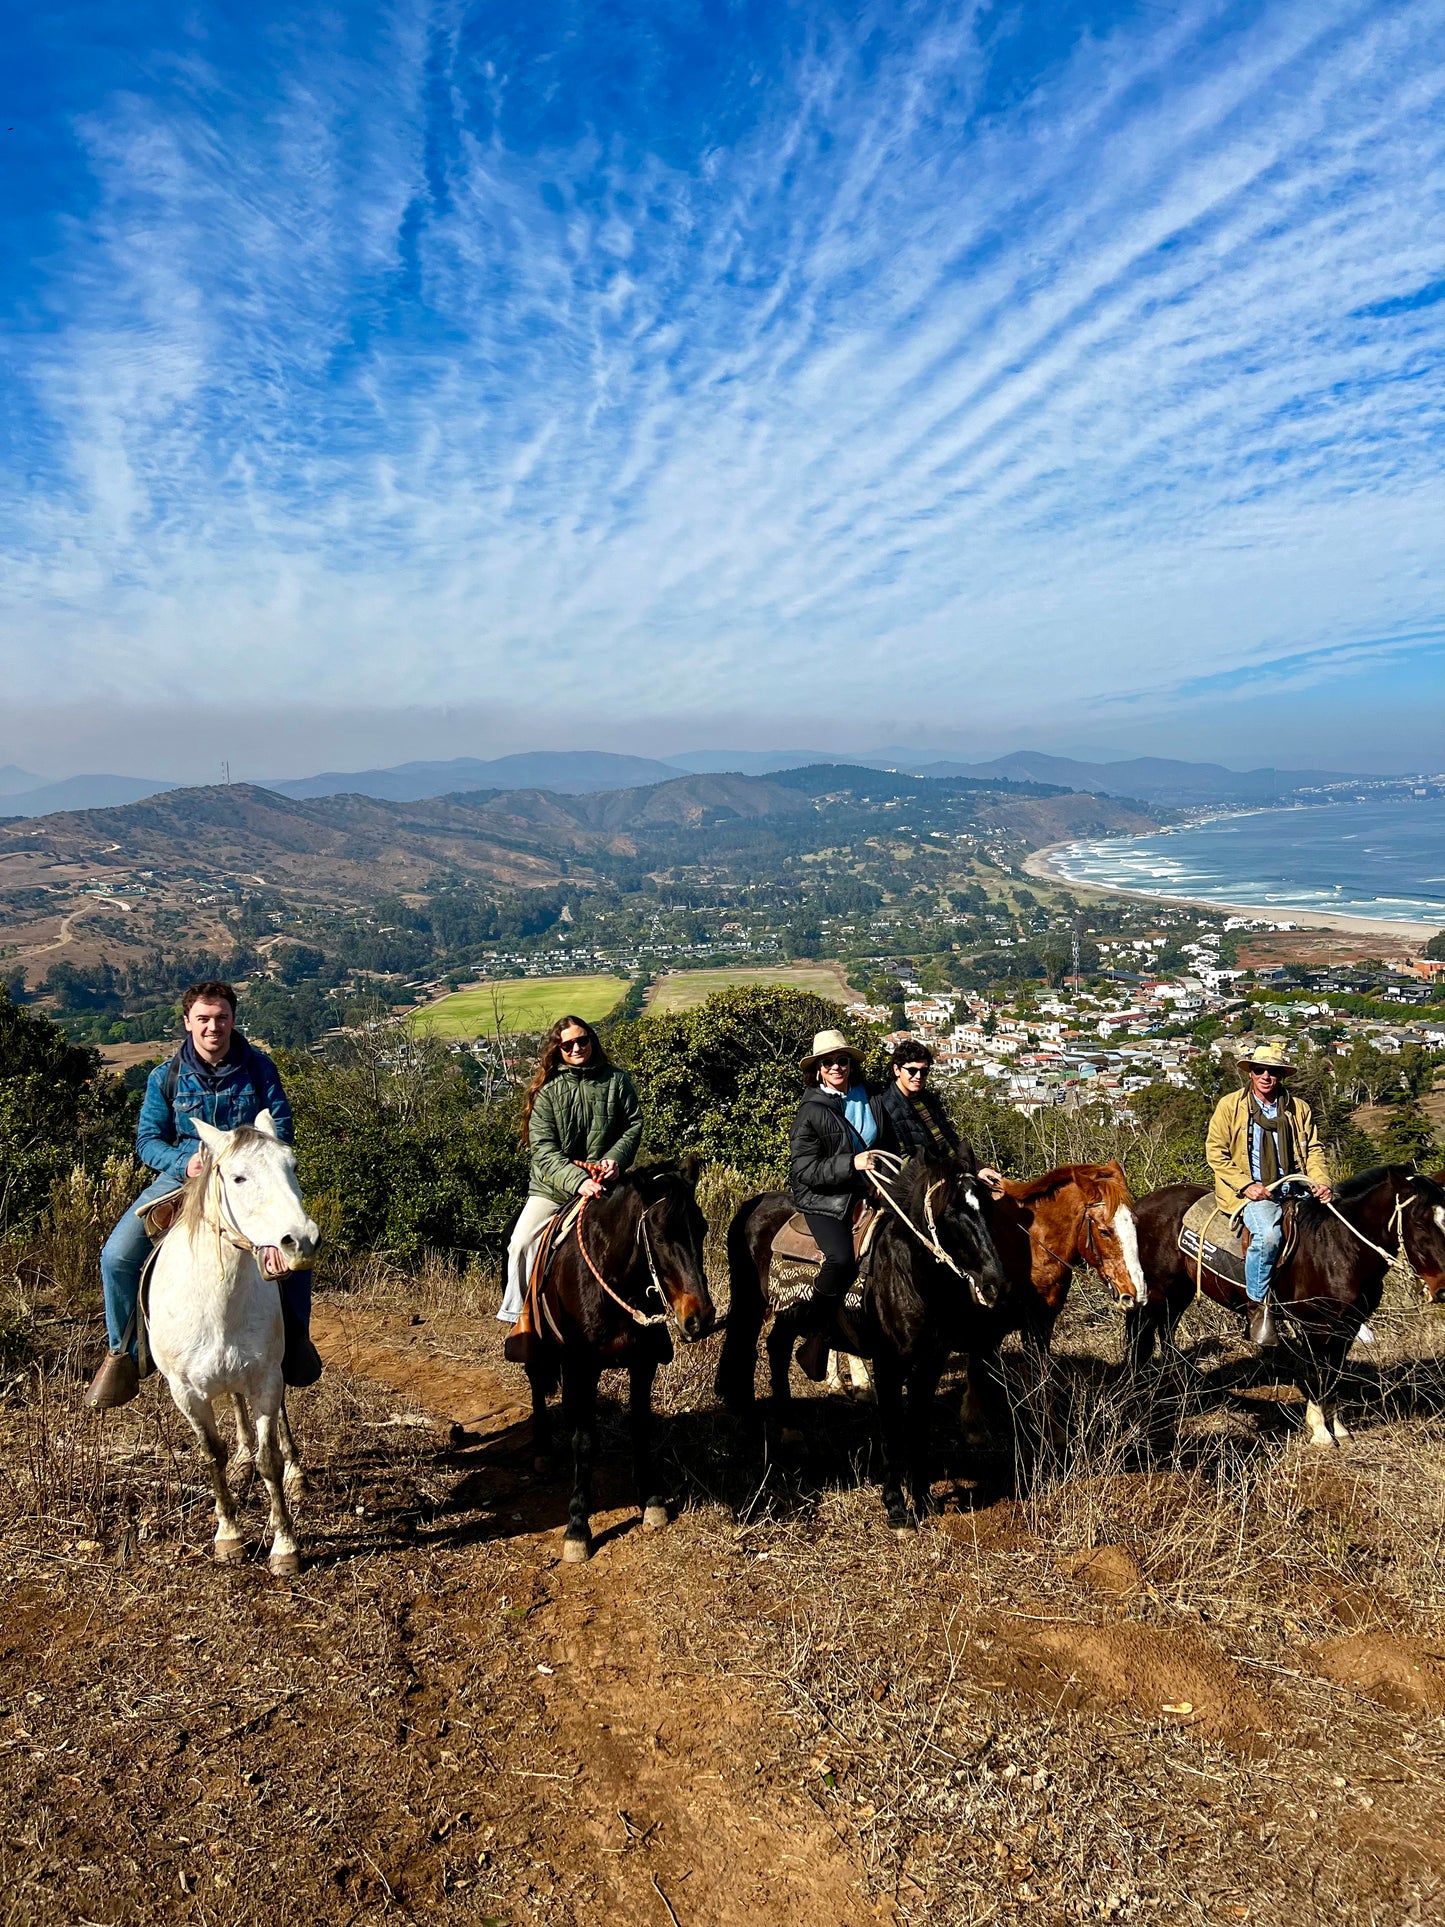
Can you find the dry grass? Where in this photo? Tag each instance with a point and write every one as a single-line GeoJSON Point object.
{"type": "Point", "coordinates": [1105, 1685]}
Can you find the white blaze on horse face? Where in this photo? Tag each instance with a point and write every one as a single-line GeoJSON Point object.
{"type": "Point", "coordinates": [262, 1198]}
{"type": "Point", "coordinates": [1127, 1232]}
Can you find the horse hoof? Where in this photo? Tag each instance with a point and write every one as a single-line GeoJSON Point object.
{"type": "Point", "coordinates": [576, 1552]}
{"type": "Point", "coordinates": [284, 1565]}
{"type": "Point", "coordinates": [229, 1551]}
{"type": "Point", "coordinates": [902, 1525]}
{"type": "Point", "coordinates": [655, 1516]}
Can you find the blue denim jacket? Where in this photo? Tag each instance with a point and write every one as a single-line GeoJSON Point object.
{"type": "Point", "coordinates": [235, 1093]}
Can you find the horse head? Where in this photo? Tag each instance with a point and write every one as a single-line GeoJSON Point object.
{"type": "Point", "coordinates": [1422, 1233]}
{"type": "Point", "coordinates": [670, 1231]}
{"type": "Point", "coordinates": [944, 1200]}
{"type": "Point", "coordinates": [249, 1187]}
{"type": "Point", "coordinates": [1108, 1235]}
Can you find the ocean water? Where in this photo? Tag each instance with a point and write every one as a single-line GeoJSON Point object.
{"type": "Point", "coordinates": [1374, 858]}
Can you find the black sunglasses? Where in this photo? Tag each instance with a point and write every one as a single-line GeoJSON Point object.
{"type": "Point", "coordinates": [834, 1063]}
{"type": "Point", "coordinates": [915, 1070]}
{"type": "Point", "coordinates": [570, 1044]}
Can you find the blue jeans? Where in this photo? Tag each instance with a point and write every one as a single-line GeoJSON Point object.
{"type": "Point", "coordinates": [124, 1256]}
{"type": "Point", "coordinates": [1262, 1217]}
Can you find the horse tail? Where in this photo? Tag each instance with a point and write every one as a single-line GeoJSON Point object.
{"type": "Point", "coordinates": [747, 1309]}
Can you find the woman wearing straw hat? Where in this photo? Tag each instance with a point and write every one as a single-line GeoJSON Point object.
{"type": "Point", "coordinates": [1257, 1136]}
{"type": "Point", "coordinates": [839, 1128]}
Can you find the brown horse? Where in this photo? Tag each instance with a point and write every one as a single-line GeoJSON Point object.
{"type": "Point", "coordinates": [1079, 1214]}
{"type": "Point", "coordinates": [1327, 1291]}
{"type": "Point", "coordinates": [633, 1262]}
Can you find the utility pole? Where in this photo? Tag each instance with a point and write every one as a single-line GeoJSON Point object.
{"type": "Point", "coordinates": [226, 773]}
{"type": "Point", "coordinates": [1078, 946]}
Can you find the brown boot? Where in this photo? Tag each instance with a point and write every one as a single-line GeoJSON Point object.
{"type": "Point", "coordinates": [1261, 1326]}
{"type": "Point", "coordinates": [116, 1383]}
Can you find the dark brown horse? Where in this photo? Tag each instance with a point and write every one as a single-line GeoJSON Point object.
{"type": "Point", "coordinates": [632, 1264]}
{"type": "Point", "coordinates": [1328, 1290]}
{"type": "Point", "coordinates": [1079, 1214]}
{"type": "Point", "coordinates": [918, 1309]}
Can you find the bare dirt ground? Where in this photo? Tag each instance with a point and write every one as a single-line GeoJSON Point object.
{"type": "Point", "coordinates": [1190, 1674]}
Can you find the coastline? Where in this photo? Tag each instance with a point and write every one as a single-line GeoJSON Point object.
{"type": "Point", "coordinates": [1039, 864]}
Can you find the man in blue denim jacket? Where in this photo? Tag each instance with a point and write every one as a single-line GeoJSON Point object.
{"type": "Point", "coordinates": [218, 1076]}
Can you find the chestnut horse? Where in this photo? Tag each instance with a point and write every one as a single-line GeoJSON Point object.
{"type": "Point", "coordinates": [633, 1261]}
{"type": "Point", "coordinates": [933, 1264]}
{"type": "Point", "coordinates": [1327, 1291]}
{"type": "Point", "coordinates": [1079, 1214]}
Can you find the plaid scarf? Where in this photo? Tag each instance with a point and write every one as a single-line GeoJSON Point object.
{"type": "Point", "coordinates": [1271, 1141]}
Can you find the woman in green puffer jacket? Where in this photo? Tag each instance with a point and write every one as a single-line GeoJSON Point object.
{"type": "Point", "coordinates": [580, 1109]}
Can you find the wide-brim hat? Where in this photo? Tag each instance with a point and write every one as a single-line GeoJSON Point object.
{"type": "Point", "coordinates": [1271, 1055]}
{"type": "Point", "coordinates": [825, 1044]}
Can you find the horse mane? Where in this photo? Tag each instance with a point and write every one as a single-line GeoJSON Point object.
{"type": "Point", "coordinates": [1102, 1177]}
{"type": "Point", "coordinates": [192, 1214]}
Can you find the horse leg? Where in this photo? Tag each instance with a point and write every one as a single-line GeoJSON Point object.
{"type": "Point", "coordinates": [639, 1412]}
{"type": "Point", "coordinates": [541, 1422]}
{"type": "Point", "coordinates": [1041, 1391]}
{"type": "Point", "coordinates": [579, 1414]}
{"type": "Point", "coordinates": [243, 1462]}
{"type": "Point", "coordinates": [888, 1379]}
{"type": "Point", "coordinates": [284, 1559]}
{"type": "Point", "coordinates": [202, 1420]}
{"type": "Point", "coordinates": [1319, 1381]}
{"type": "Point", "coordinates": [971, 1414]}
{"type": "Point", "coordinates": [922, 1386]}
{"type": "Point", "coordinates": [293, 1477]}
{"type": "Point", "coordinates": [782, 1336]}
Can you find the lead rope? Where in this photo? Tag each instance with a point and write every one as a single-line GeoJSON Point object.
{"type": "Point", "coordinates": [633, 1312]}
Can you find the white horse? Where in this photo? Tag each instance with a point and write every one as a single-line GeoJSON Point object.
{"type": "Point", "coordinates": [215, 1317]}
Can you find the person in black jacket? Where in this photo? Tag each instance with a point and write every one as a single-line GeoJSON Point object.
{"type": "Point", "coordinates": [916, 1117]}
{"type": "Point", "coordinates": [837, 1131]}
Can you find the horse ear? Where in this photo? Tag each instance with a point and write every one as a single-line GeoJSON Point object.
{"type": "Point", "coordinates": [212, 1140]}
{"type": "Point", "coordinates": [265, 1124]}
{"type": "Point", "coordinates": [691, 1168]}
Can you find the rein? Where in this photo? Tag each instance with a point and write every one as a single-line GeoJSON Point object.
{"type": "Point", "coordinates": [644, 1240]}
{"type": "Point", "coordinates": [1397, 1224]}
{"type": "Point", "coordinates": [929, 1239]}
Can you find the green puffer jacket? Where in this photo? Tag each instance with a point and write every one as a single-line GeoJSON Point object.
{"type": "Point", "coordinates": [591, 1114]}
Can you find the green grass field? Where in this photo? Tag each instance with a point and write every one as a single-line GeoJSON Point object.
{"type": "Point", "coordinates": [682, 989]}
{"type": "Point", "coordinates": [527, 1004]}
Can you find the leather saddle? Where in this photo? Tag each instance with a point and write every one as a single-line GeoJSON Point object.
{"type": "Point", "coordinates": [522, 1338]}
{"type": "Point", "coordinates": [796, 1243]}
{"type": "Point", "coordinates": [1216, 1240]}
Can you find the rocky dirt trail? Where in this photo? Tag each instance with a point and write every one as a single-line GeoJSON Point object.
{"type": "Point", "coordinates": [660, 1764]}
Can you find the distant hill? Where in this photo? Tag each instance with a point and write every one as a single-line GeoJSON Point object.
{"type": "Point", "coordinates": [14, 780]}
{"type": "Point", "coordinates": [570, 772]}
{"type": "Point", "coordinates": [79, 793]}
{"type": "Point", "coordinates": [1153, 779]}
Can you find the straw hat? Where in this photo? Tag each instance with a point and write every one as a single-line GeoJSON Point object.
{"type": "Point", "coordinates": [825, 1044]}
{"type": "Point", "coordinates": [1271, 1055]}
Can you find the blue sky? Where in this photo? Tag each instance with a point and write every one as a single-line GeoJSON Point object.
{"type": "Point", "coordinates": [425, 379]}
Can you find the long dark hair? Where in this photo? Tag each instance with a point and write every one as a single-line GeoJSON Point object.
{"type": "Point", "coordinates": [551, 1061]}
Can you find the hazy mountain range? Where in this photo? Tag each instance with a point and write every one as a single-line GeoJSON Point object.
{"type": "Point", "coordinates": [1151, 779]}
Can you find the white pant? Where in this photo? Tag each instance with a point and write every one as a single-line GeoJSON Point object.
{"type": "Point", "coordinates": [536, 1215]}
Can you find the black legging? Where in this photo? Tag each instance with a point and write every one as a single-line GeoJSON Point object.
{"type": "Point", "coordinates": [834, 1238]}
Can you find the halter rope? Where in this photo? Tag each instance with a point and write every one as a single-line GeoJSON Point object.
{"type": "Point", "coordinates": [928, 1239]}
{"type": "Point", "coordinates": [1397, 1222]}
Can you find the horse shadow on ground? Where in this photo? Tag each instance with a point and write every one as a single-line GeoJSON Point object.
{"type": "Point", "coordinates": [1183, 1413]}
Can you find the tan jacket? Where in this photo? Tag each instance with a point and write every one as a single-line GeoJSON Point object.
{"type": "Point", "coordinates": [1227, 1146]}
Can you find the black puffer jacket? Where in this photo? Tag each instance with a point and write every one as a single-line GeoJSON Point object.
{"type": "Point", "coordinates": [905, 1126]}
{"type": "Point", "coordinates": [821, 1176]}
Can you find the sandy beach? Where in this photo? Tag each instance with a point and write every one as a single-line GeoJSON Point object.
{"type": "Point", "coordinates": [1411, 935]}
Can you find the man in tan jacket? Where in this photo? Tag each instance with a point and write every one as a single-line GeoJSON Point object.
{"type": "Point", "coordinates": [1257, 1136]}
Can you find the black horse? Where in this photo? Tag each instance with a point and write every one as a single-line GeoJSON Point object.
{"type": "Point", "coordinates": [918, 1309]}
{"type": "Point", "coordinates": [1328, 1290]}
{"type": "Point", "coordinates": [631, 1263]}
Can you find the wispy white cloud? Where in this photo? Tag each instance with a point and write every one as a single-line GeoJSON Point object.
{"type": "Point", "coordinates": [904, 394]}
